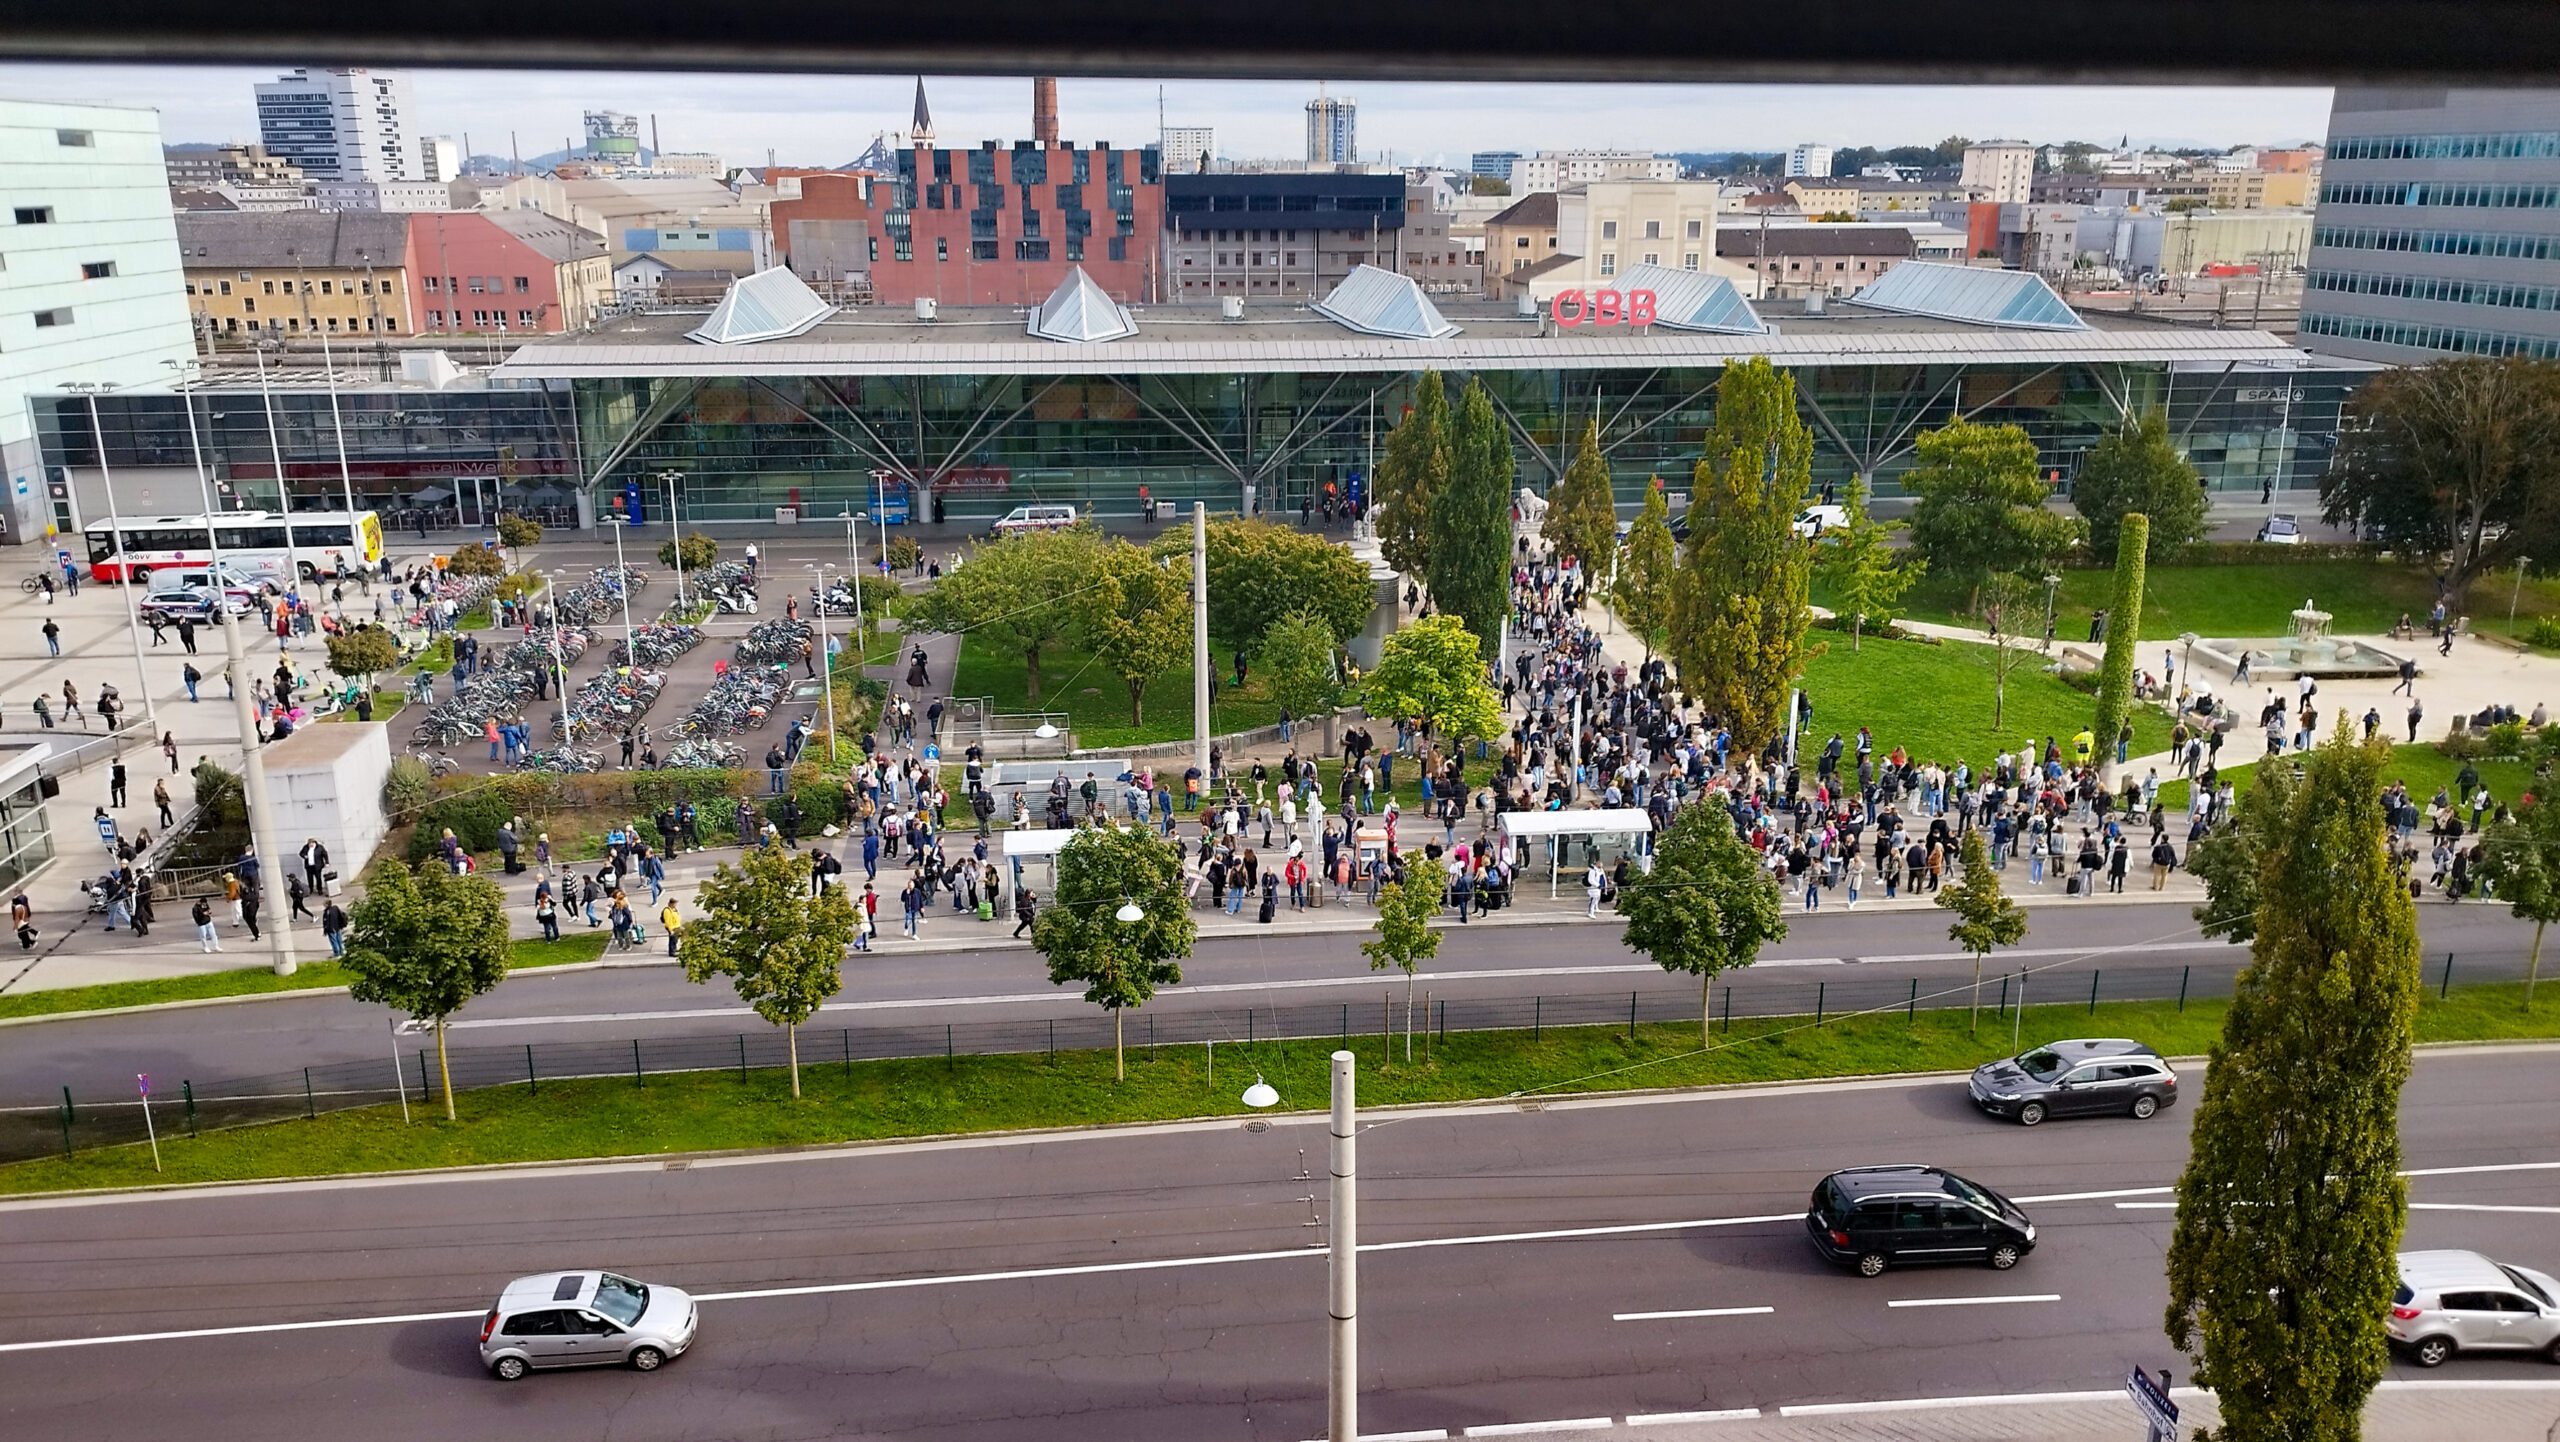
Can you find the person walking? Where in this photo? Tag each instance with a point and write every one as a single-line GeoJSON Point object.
{"type": "Point", "coordinates": [249, 912]}
{"type": "Point", "coordinates": [333, 928]}
{"type": "Point", "coordinates": [2164, 858]}
{"type": "Point", "coordinates": [22, 920]}
{"type": "Point", "coordinates": [2417, 713]}
{"type": "Point", "coordinates": [2408, 678]}
{"type": "Point", "coordinates": [1025, 909]}
{"type": "Point", "coordinates": [193, 678]}
{"type": "Point", "coordinates": [52, 637]}
{"type": "Point", "coordinates": [546, 913]}
{"type": "Point", "coordinates": [169, 748]}
{"type": "Point", "coordinates": [116, 781]}
{"type": "Point", "coordinates": [207, 939]}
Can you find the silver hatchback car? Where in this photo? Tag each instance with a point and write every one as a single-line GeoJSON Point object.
{"type": "Point", "coordinates": [584, 1319]}
{"type": "Point", "coordinates": [2450, 1302]}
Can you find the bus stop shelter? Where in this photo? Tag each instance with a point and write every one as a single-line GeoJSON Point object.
{"type": "Point", "coordinates": [1576, 839]}
{"type": "Point", "coordinates": [1036, 848]}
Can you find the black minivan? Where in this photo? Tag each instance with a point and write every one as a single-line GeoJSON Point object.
{"type": "Point", "coordinates": [1871, 1218]}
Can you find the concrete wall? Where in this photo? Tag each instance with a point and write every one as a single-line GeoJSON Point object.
{"type": "Point", "coordinates": [326, 781]}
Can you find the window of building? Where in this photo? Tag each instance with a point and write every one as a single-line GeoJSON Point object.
{"type": "Point", "coordinates": [1075, 244]}
{"type": "Point", "coordinates": [1521, 243]}
{"type": "Point", "coordinates": [479, 317]}
{"type": "Point", "coordinates": [1119, 248]}
{"type": "Point", "coordinates": [294, 324]}
{"type": "Point", "coordinates": [1653, 230]}
{"type": "Point", "coordinates": [524, 285]}
{"type": "Point", "coordinates": [249, 304]}
{"type": "Point", "coordinates": [435, 318]}
{"type": "Point", "coordinates": [476, 287]}
{"type": "Point", "coordinates": [1693, 229]}
{"type": "Point", "coordinates": [941, 248]}
{"type": "Point", "coordinates": [333, 322]}
{"type": "Point", "coordinates": [1608, 262]}
{"type": "Point", "coordinates": [1031, 250]}
{"type": "Point", "coordinates": [267, 287]}
{"type": "Point", "coordinates": [1796, 265]}
{"type": "Point", "coordinates": [232, 324]}
{"type": "Point", "coordinates": [1288, 257]}
{"type": "Point", "coordinates": [1608, 230]}
{"type": "Point", "coordinates": [1842, 265]}
{"type": "Point", "coordinates": [875, 250]}
{"type": "Point", "coordinates": [1653, 257]}
{"type": "Point", "coordinates": [524, 318]}
{"type": "Point", "coordinates": [1689, 261]}
{"type": "Point", "coordinates": [97, 269]}
{"type": "Point", "coordinates": [59, 316]}
{"type": "Point", "coordinates": [81, 138]}
{"type": "Point", "coordinates": [982, 250]}
{"type": "Point", "coordinates": [324, 287]}
{"type": "Point", "coordinates": [435, 284]}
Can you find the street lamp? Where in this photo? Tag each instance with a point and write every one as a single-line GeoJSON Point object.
{"type": "Point", "coordinates": [675, 525]}
{"type": "Point", "coordinates": [2051, 581]}
{"type": "Point", "coordinates": [623, 579]}
{"type": "Point", "coordinates": [188, 372]}
{"type": "Point", "coordinates": [89, 391]}
{"type": "Point", "coordinates": [826, 662]}
{"type": "Point", "coordinates": [338, 424]}
{"type": "Point", "coordinates": [275, 452]}
{"type": "Point", "coordinates": [1130, 913]}
{"type": "Point", "coordinates": [1260, 1094]}
{"type": "Point", "coordinates": [1342, 1359]}
{"type": "Point", "coordinates": [2518, 595]}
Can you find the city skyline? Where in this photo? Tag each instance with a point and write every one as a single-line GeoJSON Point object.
{"type": "Point", "coordinates": [829, 119]}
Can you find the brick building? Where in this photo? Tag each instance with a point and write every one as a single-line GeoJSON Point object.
{"type": "Point", "coordinates": [505, 271]}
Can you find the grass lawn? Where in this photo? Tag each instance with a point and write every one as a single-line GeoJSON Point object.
{"type": "Point", "coordinates": [1936, 701]}
{"type": "Point", "coordinates": [886, 1099]}
{"type": "Point", "coordinates": [2366, 597]}
{"type": "Point", "coordinates": [1096, 703]}
{"type": "Point", "coordinates": [2422, 766]}
{"type": "Point", "coordinates": [248, 981]}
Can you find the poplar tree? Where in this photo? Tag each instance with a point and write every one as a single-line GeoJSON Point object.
{"type": "Point", "coordinates": [1738, 603]}
{"type": "Point", "coordinates": [1470, 566]}
{"type": "Point", "coordinates": [1582, 513]}
{"type": "Point", "coordinates": [2291, 1206]}
{"type": "Point", "coordinates": [2124, 636]}
{"type": "Point", "coordinates": [1411, 476]}
{"type": "Point", "coordinates": [1641, 594]}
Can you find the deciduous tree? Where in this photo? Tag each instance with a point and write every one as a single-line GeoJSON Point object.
{"type": "Point", "coordinates": [1412, 473]}
{"type": "Point", "coordinates": [1985, 916]}
{"type": "Point", "coordinates": [2124, 637]}
{"type": "Point", "coordinates": [364, 651]}
{"type": "Point", "coordinates": [1018, 593]}
{"type": "Point", "coordinates": [1738, 605]}
{"type": "Point", "coordinates": [1707, 907]}
{"type": "Point", "coordinates": [2229, 857]}
{"type": "Point", "coordinates": [1981, 505]}
{"type": "Point", "coordinates": [2455, 458]}
{"type": "Point", "coordinates": [475, 561]}
{"type": "Point", "coordinates": [1405, 938]}
{"type": "Point", "coordinates": [1433, 670]}
{"type": "Point", "coordinates": [1863, 571]}
{"type": "Point", "coordinates": [518, 533]}
{"type": "Point", "coordinates": [1260, 571]}
{"type": "Point", "coordinates": [782, 948]}
{"type": "Point", "coordinates": [2519, 859]}
{"type": "Point", "coordinates": [427, 941]}
{"type": "Point", "coordinates": [1298, 661]}
{"type": "Point", "coordinates": [1582, 511]}
{"type": "Point", "coordinates": [2006, 601]}
{"type": "Point", "coordinates": [699, 551]}
{"type": "Point", "coordinates": [2291, 1206]}
{"type": "Point", "coordinates": [1641, 594]}
{"type": "Point", "coordinates": [2136, 467]}
{"type": "Point", "coordinates": [1471, 521]}
{"type": "Point", "coordinates": [1135, 614]}
{"type": "Point", "coordinates": [1121, 963]}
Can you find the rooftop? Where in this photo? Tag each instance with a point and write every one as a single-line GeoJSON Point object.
{"type": "Point", "coordinates": [281, 239]}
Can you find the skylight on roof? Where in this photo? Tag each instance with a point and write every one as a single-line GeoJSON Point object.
{"type": "Point", "coordinates": [1693, 300]}
{"type": "Point", "coordinates": [1380, 302]}
{"type": "Point", "coordinates": [768, 305]}
{"type": "Point", "coordinates": [1977, 295]}
{"type": "Point", "coordinates": [1079, 312]}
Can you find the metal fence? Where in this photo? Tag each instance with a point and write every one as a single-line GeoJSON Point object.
{"type": "Point", "coordinates": [1817, 995]}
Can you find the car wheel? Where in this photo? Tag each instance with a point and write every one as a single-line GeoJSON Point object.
{"type": "Point", "coordinates": [2030, 1114]}
{"type": "Point", "coordinates": [508, 1369]}
{"type": "Point", "coordinates": [646, 1359]}
{"type": "Point", "coordinates": [1871, 1264]}
{"type": "Point", "coordinates": [139, 576]}
{"type": "Point", "coordinates": [2144, 1106]}
{"type": "Point", "coordinates": [2552, 1352]}
{"type": "Point", "coordinates": [2431, 1351]}
{"type": "Point", "coordinates": [2004, 1256]}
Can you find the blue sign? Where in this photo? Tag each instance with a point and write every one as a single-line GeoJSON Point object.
{"type": "Point", "coordinates": [631, 509]}
{"type": "Point", "coordinates": [2153, 1398]}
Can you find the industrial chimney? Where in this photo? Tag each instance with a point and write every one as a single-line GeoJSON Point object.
{"type": "Point", "coordinates": [1044, 109]}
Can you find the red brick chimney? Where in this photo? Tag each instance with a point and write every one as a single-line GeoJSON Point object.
{"type": "Point", "coordinates": [1044, 109]}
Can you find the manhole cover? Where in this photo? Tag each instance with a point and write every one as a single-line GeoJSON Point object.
{"type": "Point", "coordinates": [1257, 1126]}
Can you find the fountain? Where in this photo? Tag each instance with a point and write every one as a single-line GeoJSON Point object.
{"type": "Point", "coordinates": [2310, 651]}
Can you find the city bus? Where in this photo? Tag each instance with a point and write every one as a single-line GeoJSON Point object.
{"type": "Point", "coordinates": [325, 543]}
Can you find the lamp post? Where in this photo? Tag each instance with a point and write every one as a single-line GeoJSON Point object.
{"type": "Point", "coordinates": [1200, 641]}
{"type": "Point", "coordinates": [188, 371]}
{"type": "Point", "coordinates": [253, 782]}
{"type": "Point", "coordinates": [89, 391]}
{"type": "Point", "coordinates": [1342, 1354]}
{"type": "Point", "coordinates": [338, 425]}
{"type": "Point", "coordinates": [622, 581]}
{"type": "Point", "coordinates": [275, 452]}
{"type": "Point", "coordinates": [2051, 583]}
{"type": "Point", "coordinates": [2518, 594]}
{"type": "Point", "coordinates": [826, 662]}
{"type": "Point", "coordinates": [559, 668]}
{"type": "Point", "coordinates": [853, 574]}
{"type": "Point", "coordinates": [675, 527]}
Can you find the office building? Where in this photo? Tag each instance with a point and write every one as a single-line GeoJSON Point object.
{"type": "Point", "coordinates": [1189, 149]}
{"type": "Point", "coordinates": [301, 274]}
{"type": "Point", "coordinates": [443, 157]}
{"type": "Point", "coordinates": [1810, 160]}
{"type": "Point", "coordinates": [2004, 170]}
{"type": "Point", "coordinates": [1279, 235]}
{"type": "Point", "coordinates": [343, 124]}
{"type": "Point", "coordinates": [1333, 130]}
{"type": "Point", "coordinates": [203, 167]}
{"type": "Point", "coordinates": [1492, 164]}
{"type": "Point", "coordinates": [2439, 226]}
{"type": "Point", "coordinates": [1556, 169]}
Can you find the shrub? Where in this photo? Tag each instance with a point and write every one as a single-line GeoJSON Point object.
{"type": "Point", "coordinates": [365, 651]}
{"type": "Point", "coordinates": [904, 554]}
{"type": "Point", "coordinates": [2460, 744]}
{"type": "Point", "coordinates": [407, 787]}
{"type": "Point", "coordinates": [699, 551]}
{"type": "Point", "coordinates": [2506, 739]}
{"type": "Point", "coordinates": [220, 796]}
{"type": "Point", "coordinates": [2545, 632]}
{"type": "Point", "coordinates": [517, 585]}
{"type": "Point", "coordinates": [517, 532]}
{"type": "Point", "coordinates": [476, 561]}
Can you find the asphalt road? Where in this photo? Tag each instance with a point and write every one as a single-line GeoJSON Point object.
{"type": "Point", "coordinates": [1163, 1283]}
{"type": "Point", "coordinates": [1836, 959]}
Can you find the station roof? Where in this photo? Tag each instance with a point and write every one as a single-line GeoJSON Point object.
{"type": "Point", "coordinates": [1274, 337]}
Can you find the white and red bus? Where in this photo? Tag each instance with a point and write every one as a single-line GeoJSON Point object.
{"type": "Point", "coordinates": [252, 543]}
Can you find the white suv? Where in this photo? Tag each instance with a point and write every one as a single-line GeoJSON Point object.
{"type": "Point", "coordinates": [1034, 518]}
{"type": "Point", "coordinates": [2451, 1302]}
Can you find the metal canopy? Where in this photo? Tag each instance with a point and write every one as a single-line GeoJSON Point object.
{"type": "Point", "coordinates": [1977, 295]}
{"type": "Point", "coordinates": [768, 305]}
{"type": "Point", "coordinates": [1381, 302]}
{"type": "Point", "coordinates": [1692, 300]}
{"type": "Point", "coordinates": [1078, 312]}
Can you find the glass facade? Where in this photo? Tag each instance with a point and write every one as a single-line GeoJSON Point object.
{"type": "Point", "coordinates": [26, 839]}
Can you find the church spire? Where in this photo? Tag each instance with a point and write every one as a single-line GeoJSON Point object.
{"type": "Point", "coordinates": [921, 131]}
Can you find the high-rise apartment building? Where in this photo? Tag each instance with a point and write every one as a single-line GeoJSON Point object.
{"type": "Point", "coordinates": [1810, 160]}
{"type": "Point", "coordinates": [443, 157]}
{"type": "Point", "coordinates": [1556, 169]}
{"type": "Point", "coordinates": [2006, 169]}
{"type": "Point", "coordinates": [1188, 149]}
{"type": "Point", "coordinates": [91, 288]}
{"type": "Point", "coordinates": [1492, 164]}
{"type": "Point", "coordinates": [343, 124]}
{"type": "Point", "coordinates": [2438, 231]}
{"type": "Point", "coordinates": [1333, 130]}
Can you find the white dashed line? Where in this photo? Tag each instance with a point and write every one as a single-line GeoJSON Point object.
{"type": "Point", "coordinates": [1663, 1419]}
{"type": "Point", "coordinates": [1701, 1312]}
{"type": "Point", "coordinates": [1974, 1301]}
{"type": "Point", "coordinates": [1567, 1424]}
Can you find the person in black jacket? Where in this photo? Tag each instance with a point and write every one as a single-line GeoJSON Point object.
{"type": "Point", "coordinates": [1025, 909]}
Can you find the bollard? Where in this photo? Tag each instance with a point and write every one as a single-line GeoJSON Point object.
{"type": "Point", "coordinates": [1151, 1036]}
{"type": "Point", "coordinates": [1248, 1026]}
{"type": "Point", "coordinates": [532, 1083]}
{"type": "Point", "coordinates": [66, 1121]}
{"type": "Point", "coordinates": [847, 1034]}
{"type": "Point", "coordinates": [2004, 997]}
{"type": "Point", "coordinates": [1819, 989]}
{"type": "Point", "coordinates": [1728, 1011]}
{"type": "Point", "coordinates": [1911, 1015]}
{"type": "Point", "coordinates": [2093, 991]}
{"type": "Point", "coordinates": [950, 1058]}
{"type": "Point", "coordinates": [742, 1056]}
{"type": "Point", "coordinates": [1346, 1023]}
{"type": "Point", "coordinates": [1631, 1016]}
{"type": "Point", "coordinates": [1053, 1038]}
{"type": "Point", "coordinates": [636, 1077]}
{"type": "Point", "coordinates": [1537, 1017]}
{"type": "Point", "coordinates": [2447, 989]}
{"type": "Point", "coordinates": [310, 1112]}
{"type": "Point", "coordinates": [69, 1113]}
{"type": "Point", "coordinates": [2183, 973]}
{"type": "Point", "coordinates": [188, 1089]}
{"type": "Point", "coordinates": [426, 1081]}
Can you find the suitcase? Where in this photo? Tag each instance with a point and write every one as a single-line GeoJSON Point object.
{"type": "Point", "coordinates": [2072, 887]}
{"type": "Point", "coordinates": [1267, 911]}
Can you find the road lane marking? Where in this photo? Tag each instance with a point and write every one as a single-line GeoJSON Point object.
{"type": "Point", "coordinates": [1565, 1424]}
{"type": "Point", "coordinates": [1997, 1399]}
{"type": "Point", "coordinates": [1974, 1301]}
{"type": "Point", "coordinates": [2480, 1207]}
{"type": "Point", "coordinates": [238, 1331]}
{"type": "Point", "coordinates": [2095, 1196]}
{"type": "Point", "coordinates": [1436, 1434]}
{"type": "Point", "coordinates": [2146, 1206]}
{"type": "Point", "coordinates": [1699, 1312]}
{"type": "Point", "coordinates": [2492, 1167]}
{"type": "Point", "coordinates": [1660, 1419]}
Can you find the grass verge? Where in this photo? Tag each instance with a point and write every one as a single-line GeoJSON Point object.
{"type": "Point", "coordinates": [881, 1100]}
{"type": "Point", "coordinates": [250, 981]}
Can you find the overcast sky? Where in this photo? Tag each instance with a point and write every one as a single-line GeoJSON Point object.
{"type": "Point", "coordinates": [828, 119]}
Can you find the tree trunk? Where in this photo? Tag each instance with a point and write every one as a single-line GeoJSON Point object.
{"type": "Point", "coordinates": [1973, 1022]}
{"type": "Point", "coordinates": [791, 1036]}
{"type": "Point", "coordinates": [1119, 1057]}
{"type": "Point", "coordinates": [1999, 691]}
{"type": "Point", "coordinates": [1857, 622]}
{"type": "Point", "coordinates": [1030, 673]}
{"type": "Point", "coordinates": [1408, 1014]}
{"type": "Point", "coordinates": [1137, 700]}
{"type": "Point", "coordinates": [1706, 1010]}
{"type": "Point", "coordinates": [444, 1070]}
{"type": "Point", "coordinates": [2533, 969]}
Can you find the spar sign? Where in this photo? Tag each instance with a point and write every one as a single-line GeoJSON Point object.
{"type": "Point", "coordinates": [1602, 307]}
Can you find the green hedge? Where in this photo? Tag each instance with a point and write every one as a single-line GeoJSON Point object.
{"type": "Point", "coordinates": [2241, 553]}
